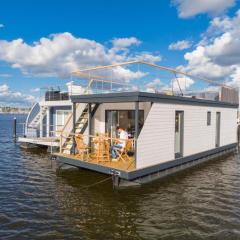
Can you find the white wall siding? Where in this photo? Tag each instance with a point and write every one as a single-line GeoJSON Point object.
{"type": "Point", "coordinates": [228, 126]}
{"type": "Point", "coordinates": [156, 140]}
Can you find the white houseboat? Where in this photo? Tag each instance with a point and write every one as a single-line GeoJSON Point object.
{"type": "Point", "coordinates": [47, 117]}
{"type": "Point", "coordinates": [166, 132]}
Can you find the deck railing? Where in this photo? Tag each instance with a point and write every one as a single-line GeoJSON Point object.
{"type": "Point", "coordinates": [98, 147]}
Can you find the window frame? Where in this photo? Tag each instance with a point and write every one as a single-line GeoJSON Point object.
{"type": "Point", "coordinates": [209, 118]}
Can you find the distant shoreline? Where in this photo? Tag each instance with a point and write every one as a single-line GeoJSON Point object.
{"type": "Point", "coordinates": [13, 112]}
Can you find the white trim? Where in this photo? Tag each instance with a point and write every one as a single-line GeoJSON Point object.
{"type": "Point", "coordinates": [48, 121]}
{"type": "Point", "coordinates": [58, 128]}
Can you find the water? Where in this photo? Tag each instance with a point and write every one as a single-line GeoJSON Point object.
{"type": "Point", "coordinates": [38, 203]}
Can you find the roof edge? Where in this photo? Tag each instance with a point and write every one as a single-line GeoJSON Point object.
{"type": "Point", "coordinates": [146, 97]}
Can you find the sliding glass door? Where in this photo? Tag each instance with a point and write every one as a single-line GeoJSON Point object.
{"type": "Point", "coordinates": [111, 123]}
{"type": "Point", "coordinates": [124, 119]}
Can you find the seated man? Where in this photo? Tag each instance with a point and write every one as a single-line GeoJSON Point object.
{"type": "Point", "coordinates": [121, 143]}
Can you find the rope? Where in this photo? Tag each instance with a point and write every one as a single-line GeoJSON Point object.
{"type": "Point", "coordinates": [129, 165]}
{"type": "Point", "coordinates": [96, 183]}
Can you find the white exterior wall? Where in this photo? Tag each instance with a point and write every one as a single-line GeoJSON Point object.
{"type": "Point", "coordinates": [156, 140]}
{"type": "Point", "coordinates": [99, 117]}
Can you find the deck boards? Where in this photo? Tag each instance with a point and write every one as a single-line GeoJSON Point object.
{"type": "Point", "coordinates": [124, 166]}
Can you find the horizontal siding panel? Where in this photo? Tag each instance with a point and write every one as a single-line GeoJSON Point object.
{"type": "Point", "coordinates": [156, 140]}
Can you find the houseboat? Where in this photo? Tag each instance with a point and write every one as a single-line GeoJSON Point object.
{"type": "Point", "coordinates": [165, 132]}
{"type": "Point", "coordinates": [48, 116]}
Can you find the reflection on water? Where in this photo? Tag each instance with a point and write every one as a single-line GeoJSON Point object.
{"type": "Point", "coordinates": [37, 203]}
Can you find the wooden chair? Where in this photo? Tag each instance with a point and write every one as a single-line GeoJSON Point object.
{"type": "Point", "coordinates": [123, 153]}
{"type": "Point", "coordinates": [102, 151]}
{"type": "Point", "coordinates": [82, 148]}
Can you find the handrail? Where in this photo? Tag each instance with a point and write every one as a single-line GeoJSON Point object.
{"type": "Point", "coordinates": [93, 140]}
{"type": "Point", "coordinates": [100, 136]}
{"type": "Point", "coordinates": [78, 72]}
{"type": "Point", "coordinates": [103, 79]}
{"type": "Point", "coordinates": [29, 114]}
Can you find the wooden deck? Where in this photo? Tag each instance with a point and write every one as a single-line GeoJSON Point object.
{"type": "Point", "coordinates": [126, 166]}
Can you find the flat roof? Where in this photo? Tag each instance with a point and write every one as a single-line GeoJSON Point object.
{"type": "Point", "coordinates": [147, 97]}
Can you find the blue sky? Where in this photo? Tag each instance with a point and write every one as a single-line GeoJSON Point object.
{"type": "Point", "coordinates": [154, 25]}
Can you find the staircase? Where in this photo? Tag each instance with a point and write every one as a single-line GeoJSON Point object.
{"type": "Point", "coordinates": [80, 127]}
{"type": "Point", "coordinates": [35, 122]}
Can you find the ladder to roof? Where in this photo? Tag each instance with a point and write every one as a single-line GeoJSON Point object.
{"type": "Point", "coordinates": [67, 133]}
{"type": "Point", "coordinates": [80, 127]}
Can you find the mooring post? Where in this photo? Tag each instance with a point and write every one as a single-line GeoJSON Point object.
{"type": "Point", "coordinates": [115, 181]}
{"type": "Point", "coordinates": [14, 129]}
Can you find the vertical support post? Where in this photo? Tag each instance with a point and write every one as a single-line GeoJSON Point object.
{"type": "Point", "coordinates": [14, 129]}
{"type": "Point", "coordinates": [48, 129]}
{"type": "Point", "coordinates": [41, 122]}
{"type": "Point", "coordinates": [89, 123]}
{"type": "Point", "coordinates": [74, 129]}
{"type": "Point", "coordinates": [136, 129]}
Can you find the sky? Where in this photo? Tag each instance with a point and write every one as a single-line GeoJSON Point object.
{"type": "Point", "coordinates": [42, 42]}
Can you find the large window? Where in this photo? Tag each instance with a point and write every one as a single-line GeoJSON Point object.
{"type": "Point", "coordinates": [124, 119]}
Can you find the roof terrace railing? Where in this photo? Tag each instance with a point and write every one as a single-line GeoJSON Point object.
{"type": "Point", "coordinates": [150, 77]}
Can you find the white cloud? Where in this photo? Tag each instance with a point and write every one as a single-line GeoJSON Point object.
{"type": "Point", "coordinates": [217, 56]}
{"type": "Point", "coordinates": [189, 8]}
{"type": "Point", "coordinates": [125, 75]}
{"type": "Point", "coordinates": [146, 56]}
{"type": "Point", "coordinates": [1, 25]}
{"type": "Point", "coordinates": [34, 90]}
{"type": "Point", "coordinates": [180, 45]}
{"type": "Point", "coordinates": [125, 42]}
{"type": "Point", "coordinates": [14, 97]}
{"type": "Point", "coordinates": [5, 75]}
{"type": "Point", "coordinates": [154, 86]}
{"type": "Point", "coordinates": [200, 64]}
{"type": "Point", "coordinates": [60, 54]}
{"type": "Point", "coordinates": [4, 88]}
{"type": "Point", "coordinates": [184, 82]}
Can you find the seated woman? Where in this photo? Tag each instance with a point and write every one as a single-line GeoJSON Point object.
{"type": "Point", "coordinates": [120, 144]}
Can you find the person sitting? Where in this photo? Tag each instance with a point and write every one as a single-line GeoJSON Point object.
{"type": "Point", "coordinates": [120, 143]}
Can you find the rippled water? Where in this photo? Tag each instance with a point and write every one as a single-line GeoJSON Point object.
{"type": "Point", "coordinates": [38, 203]}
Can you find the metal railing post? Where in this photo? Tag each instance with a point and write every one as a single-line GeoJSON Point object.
{"type": "Point", "coordinates": [74, 129]}
{"type": "Point", "coordinates": [89, 123]}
